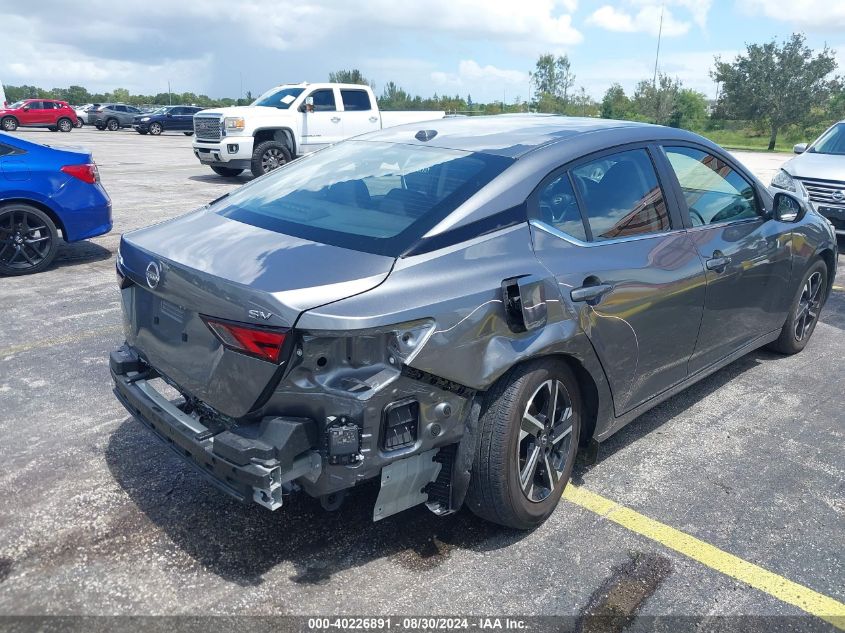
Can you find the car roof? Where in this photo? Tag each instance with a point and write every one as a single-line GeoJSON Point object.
{"type": "Point", "coordinates": [514, 135]}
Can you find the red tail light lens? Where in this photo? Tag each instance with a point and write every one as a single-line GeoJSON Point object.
{"type": "Point", "coordinates": [263, 343]}
{"type": "Point", "coordinates": [86, 173]}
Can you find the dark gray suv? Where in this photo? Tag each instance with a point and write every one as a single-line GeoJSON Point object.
{"type": "Point", "coordinates": [454, 308]}
{"type": "Point", "coordinates": [113, 116]}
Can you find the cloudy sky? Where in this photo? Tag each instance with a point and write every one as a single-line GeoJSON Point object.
{"type": "Point", "coordinates": [484, 48]}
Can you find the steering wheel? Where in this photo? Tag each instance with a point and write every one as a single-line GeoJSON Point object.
{"type": "Point", "coordinates": [727, 213]}
{"type": "Point", "coordinates": [695, 215]}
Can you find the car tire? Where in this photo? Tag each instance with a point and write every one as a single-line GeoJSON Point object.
{"type": "Point", "coordinates": [141, 132]}
{"type": "Point", "coordinates": [228, 172]}
{"type": "Point", "coordinates": [100, 127]}
{"type": "Point", "coordinates": [52, 128]}
{"type": "Point", "coordinates": [9, 124]}
{"type": "Point", "coordinates": [155, 129]}
{"type": "Point", "coordinates": [64, 125]}
{"type": "Point", "coordinates": [188, 133]}
{"type": "Point", "coordinates": [112, 125]}
{"type": "Point", "coordinates": [803, 311]}
{"type": "Point", "coordinates": [268, 156]}
{"type": "Point", "coordinates": [515, 431]}
{"type": "Point", "coordinates": [79, 123]}
{"type": "Point", "coordinates": [29, 239]}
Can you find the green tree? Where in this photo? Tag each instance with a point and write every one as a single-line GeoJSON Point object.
{"type": "Point", "coordinates": [552, 79]}
{"type": "Point", "coordinates": [690, 110]}
{"type": "Point", "coordinates": [615, 104]}
{"type": "Point", "coordinates": [777, 84]}
{"type": "Point", "coordinates": [353, 76]}
{"type": "Point", "coordinates": [656, 102]}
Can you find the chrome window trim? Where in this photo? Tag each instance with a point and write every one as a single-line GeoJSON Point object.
{"type": "Point", "coordinates": [759, 218]}
{"type": "Point", "coordinates": [574, 240]}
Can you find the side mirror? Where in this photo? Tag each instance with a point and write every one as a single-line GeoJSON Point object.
{"type": "Point", "coordinates": [800, 148]}
{"type": "Point", "coordinates": [25, 108]}
{"type": "Point", "coordinates": [169, 115]}
{"type": "Point", "coordinates": [308, 106]}
{"type": "Point", "coordinates": [788, 208]}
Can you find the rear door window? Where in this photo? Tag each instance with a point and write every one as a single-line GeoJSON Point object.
{"type": "Point", "coordinates": [621, 196]}
{"type": "Point", "coordinates": [557, 206]}
{"type": "Point", "coordinates": [355, 100]}
{"type": "Point", "coordinates": [713, 190]}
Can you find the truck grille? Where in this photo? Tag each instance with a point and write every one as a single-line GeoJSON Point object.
{"type": "Point", "coordinates": [825, 192]}
{"type": "Point", "coordinates": [207, 128]}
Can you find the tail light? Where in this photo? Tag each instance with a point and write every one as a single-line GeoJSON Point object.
{"type": "Point", "coordinates": [86, 173]}
{"type": "Point", "coordinates": [263, 343]}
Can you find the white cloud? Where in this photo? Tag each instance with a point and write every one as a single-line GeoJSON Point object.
{"type": "Point", "coordinates": [471, 73]}
{"type": "Point", "coordinates": [645, 20]}
{"type": "Point", "coordinates": [809, 15]}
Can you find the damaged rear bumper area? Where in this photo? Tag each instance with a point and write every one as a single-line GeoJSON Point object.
{"type": "Point", "coordinates": [256, 463]}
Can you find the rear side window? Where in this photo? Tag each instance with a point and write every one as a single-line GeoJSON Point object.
{"type": "Point", "coordinates": [324, 100]}
{"type": "Point", "coordinates": [621, 196]}
{"type": "Point", "coordinates": [714, 192]}
{"type": "Point", "coordinates": [35, 105]}
{"type": "Point", "coordinates": [8, 150]}
{"type": "Point", "coordinates": [557, 206]}
{"type": "Point", "coordinates": [355, 100]}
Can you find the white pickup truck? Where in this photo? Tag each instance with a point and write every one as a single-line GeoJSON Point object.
{"type": "Point", "coordinates": [288, 121]}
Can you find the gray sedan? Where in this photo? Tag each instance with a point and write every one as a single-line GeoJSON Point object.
{"type": "Point", "coordinates": [453, 308]}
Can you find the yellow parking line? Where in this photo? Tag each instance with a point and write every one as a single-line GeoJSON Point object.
{"type": "Point", "coordinates": [54, 342]}
{"type": "Point", "coordinates": [804, 598]}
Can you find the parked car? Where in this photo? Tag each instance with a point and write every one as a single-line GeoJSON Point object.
{"type": "Point", "coordinates": [288, 121]}
{"type": "Point", "coordinates": [454, 307]}
{"type": "Point", "coordinates": [50, 113]}
{"type": "Point", "coordinates": [113, 116]}
{"type": "Point", "coordinates": [168, 118]}
{"type": "Point", "coordinates": [46, 195]}
{"type": "Point", "coordinates": [818, 175]}
{"type": "Point", "coordinates": [83, 112]}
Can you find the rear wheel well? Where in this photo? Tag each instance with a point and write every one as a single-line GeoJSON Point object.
{"type": "Point", "coordinates": [33, 203]}
{"type": "Point", "coordinates": [829, 261]}
{"type": "Point", "coordinates": [282, 135]}
{"type": "Point", "coordinates": [589, 393]}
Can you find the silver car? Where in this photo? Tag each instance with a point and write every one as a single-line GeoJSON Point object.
{"type": "Point", "coordinates": [453, 309]}
{"type": "Point", "coordinates": [818, 175]}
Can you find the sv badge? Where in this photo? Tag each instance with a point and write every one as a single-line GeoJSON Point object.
{"type": "Point", "coordinates": [259, 314]}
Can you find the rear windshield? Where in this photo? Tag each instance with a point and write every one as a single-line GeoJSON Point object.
{"type": "Point", "coordinates": [832, 141]}
{"type": "Point", "coordinates": [368, 196]}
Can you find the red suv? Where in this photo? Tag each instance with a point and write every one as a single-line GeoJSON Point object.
{"type": "Point", "coordinates": [49, 113]}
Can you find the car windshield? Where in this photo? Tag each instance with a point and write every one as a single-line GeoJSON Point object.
{"type": "Point", "coordinates": [831, 142]}
{"type": "Point", "coordinates": [278, 98]}
{"type": "Point", "coordinates": [17, 105]}
{"type": "Point", "coordinates": [367, 196]}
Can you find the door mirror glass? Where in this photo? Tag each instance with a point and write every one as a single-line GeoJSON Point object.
{"type": "Point", "coordinates": [800, 148]}
{"type": "Point", "coordinates": [788, 208]}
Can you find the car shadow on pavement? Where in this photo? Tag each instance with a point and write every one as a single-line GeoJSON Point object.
{"type": "Point", "coordinates": [79, 253]}
{"type": "Point", "coordinates": [214, 179]}
{"type": "Point", "coordinates": [242, 542]}
{"type": "Point", "coordinates": [653, 419]}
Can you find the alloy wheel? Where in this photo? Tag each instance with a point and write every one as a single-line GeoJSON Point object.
{"type": "Point", "coordinates": [65, 125]}
{"type": "Point", "coordinates": [545, 436]}
{"type": "Point", "coordinates": [24, 240]}
{"type": "Point", "coordinates": [272, 159]}
{"type": "Point", "coordinates": [10, 125]}
{"type": "Point", "coordinates": [809, 304]}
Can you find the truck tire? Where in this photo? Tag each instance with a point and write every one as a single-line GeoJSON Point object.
{"type": "Point", "coordinates": [528, 437]}
{"type": "Point", "coordinates": [268, 156]}
{"type": "Point", "coordinates": [228, 172]}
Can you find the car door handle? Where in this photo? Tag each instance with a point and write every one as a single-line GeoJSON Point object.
{"type": "Point", "coordinates": [590, 293]}
{"type": "Point", "coordinates": [373, 119]}
{"type": "Point", "coordinates": [717, 263]}
{"type": "Point", "coordinates": [335, 119]}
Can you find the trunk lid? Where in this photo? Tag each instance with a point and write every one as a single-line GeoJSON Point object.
{"type": "Point", "coordinates": [208, 265]}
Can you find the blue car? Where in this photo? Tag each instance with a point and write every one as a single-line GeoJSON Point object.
{"type": "Point", "coordinates": [46, 194]}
